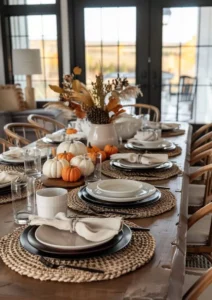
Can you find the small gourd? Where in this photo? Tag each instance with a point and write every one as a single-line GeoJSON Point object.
{"type": "Point", "coordinates": [93, 155]}
{"type": "Point", "coordinates": [76, 148]}
{"type": "Point", "coordinates": [86, 166]}
{"type": "Point", "coordinates": [71, 174]}
{"type": "Point", "coordinates": [110, 149]}
{"type": "Point", "coordinates": [71, 131]}
{"type": "Point", "coordinates": [52, 168]}
{"type": "Point", "coordinates": [65, 155]}
{"type": "Point", "coordinates": [92, 149]}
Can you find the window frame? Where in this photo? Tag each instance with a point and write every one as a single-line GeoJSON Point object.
{"type": "Point", "coordinates": [7, 11]}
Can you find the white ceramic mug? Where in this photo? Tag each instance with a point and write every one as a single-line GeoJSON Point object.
{"type": "Point", "coordinates": [51, 201]}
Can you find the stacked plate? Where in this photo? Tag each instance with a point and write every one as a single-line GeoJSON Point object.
{"type": "Point", "coordinates": [18, 160]}
{"type": "Point", "coordinates": [119, 193]}
{"type": "Point", "coordinates": [124, 165]}
{"type": "Point", "coordinates": [5, 188]}
{"type": "Point", "coordinates": [160, 144]}
{"type": "Point", "coordinates": [51, 242]}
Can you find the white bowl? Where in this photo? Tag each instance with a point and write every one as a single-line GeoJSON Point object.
{"type": "Point", "coordinates": [119, 187]}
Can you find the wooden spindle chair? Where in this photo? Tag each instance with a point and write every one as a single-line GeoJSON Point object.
{"type": "Point", "coordinates": [139, 109]}
{"type": "Point", "coordinates": [201, 131]}
{"type": "Point", "coordinates": [13, 131]}
{"type": "Point", "coordinates": [45, 122]}
{"type": "Point", "coordinates": [200, 193]}
{"type": "Point", "coordinates": [5, 144]}
{"type": "Point", "coordinates": [203, 140]}
{"type": "Point", "coordinates": [201, 149]}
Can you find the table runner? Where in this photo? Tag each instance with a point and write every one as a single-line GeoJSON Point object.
{"type": "Point", "coordinates": [136, 254]}
{"type": "Point", "coordinates": [166, 203]}
{"type": "Point", "coordinates": [151, 175]}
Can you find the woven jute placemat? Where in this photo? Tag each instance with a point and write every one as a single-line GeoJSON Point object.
{"type": "Point", "coordinates": [7, 198]}
{"type": "Point", "coordinates": [136, 254]}
{"type": "Point", "coordinates": [177, 151]}
{"type": "Point", "coordinates": [173, 133]}
{"type": "Point", "coordinates": [151, 175]}
{"type": "Point", "coordinates": [166, 203]}
{"type": "Point", "coordinates": [5, 167]}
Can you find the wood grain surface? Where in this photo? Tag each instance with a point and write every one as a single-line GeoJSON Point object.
{"type": "Point", "coordinates": [161, 278]}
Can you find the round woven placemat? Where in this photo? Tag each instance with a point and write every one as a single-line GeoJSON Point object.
{"type": "Point", "coordinates": [18, 168]}
{"type": "Point", "coordinates": [7, 198]}
{"type": "Point", "coordinates": [173, 133]}
{"type": "Point", "coordinates": [177, 151]}
{"type": "Point", "coordinates": [166, 203]}
{"type": "Point", "coordinates": [152, 175]}
{"type": "Point", "coordinates": [136, 254]}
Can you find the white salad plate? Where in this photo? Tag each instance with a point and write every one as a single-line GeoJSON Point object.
{"type": "Point", "coordinates": [146, 191]}
{"type": "Point", "coordinates": [20, 159]}
{"type": "Point", "coordinates": [126, 164]}
{"type": "Point", "coordinates": [119, 187]}
{"type": "Point", "coordinates": [62, 239]}
{"type": "Point", "coordinates": [151, 146]}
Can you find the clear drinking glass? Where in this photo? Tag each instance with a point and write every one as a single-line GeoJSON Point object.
{"type": "Point", "coordinates": [23, 198]}
{"type": "Point", "coordinates": [32, 162]}
{"type": "Point", "coordinates": [96, 174]}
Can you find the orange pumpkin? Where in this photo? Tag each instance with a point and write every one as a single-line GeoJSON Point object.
{"type": "Point", "coordinates": [65, 155]}
{"type": "Point", "coordinates": [71, 131]}
{"type": "Point", "coordinates": [93, 149]}
{"type": "Point", "coordinates": [93, 155]}
{"type": "Point", "coordinates": [71, 174]}
{"type": "Point", "coordinates": [104, 155]}
{"type": "Point", "coordinates": [110, 149]}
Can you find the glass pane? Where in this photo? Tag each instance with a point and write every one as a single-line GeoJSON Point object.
{"type": "Point", "coordinates": [114, 40]}
{"type": "Point", "coordinates": [188, 61]}
{"type": "Point", "coordinates": [21, 2]}
{"type": "Point", "coordinates": [203, 109]}
{"type": "Point", "coordinates": [38, 32]}
{"type": "Point", "coordinates": [93, 62]}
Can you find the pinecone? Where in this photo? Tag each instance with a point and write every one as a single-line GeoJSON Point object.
{"type": "Point", "coordinates": [97, 115]}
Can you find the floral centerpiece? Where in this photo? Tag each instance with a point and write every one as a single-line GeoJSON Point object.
{"type": "Point", "coordinates": [101, 104]}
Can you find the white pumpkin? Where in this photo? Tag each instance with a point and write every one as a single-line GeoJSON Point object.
{"type": "Point", "coordinates": [52, 168]}
{"type": "Point", "coordinates": [86, 166]}
{"type": "Point", "coordinates": [76, 148]}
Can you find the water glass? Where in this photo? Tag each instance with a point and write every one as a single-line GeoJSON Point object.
{"type": "Point", "coordinates": [96, 174]}
{"type": "Point", "coordinates": [151, 134]}
{"type": "Point", "coordinates": [23, 198]}
{"type": "Point", "coordinates": [32, 162]}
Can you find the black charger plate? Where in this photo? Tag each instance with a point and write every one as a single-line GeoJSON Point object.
{"type": "Point", "coordinates": [85, 196]}
{"type": "Point", "coordinates": [117, 243]}
{"type": "Point", "coordinates": [162, 167]}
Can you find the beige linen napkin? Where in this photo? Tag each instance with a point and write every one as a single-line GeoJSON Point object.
{"type": "Point", "coordinates": [92, 229]}
{"type": "Point", "coordinates": [6, 177]}
{"type": "Point", "coordinates": [55, 137]}
{"type": "Point", "coordinates": [14, 152]}
{"type": "Point", "coordinates": [169, 125]}
{"type": "Point", "coordinates": [145, 136]}
{"type": "Point", "coordinates": [145, 159]}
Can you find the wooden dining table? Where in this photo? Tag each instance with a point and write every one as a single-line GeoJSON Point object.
{"type": "Point", "coordinates": [161, 278]}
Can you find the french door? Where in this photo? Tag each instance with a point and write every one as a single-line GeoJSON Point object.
{"type": "Point", "coordinates": [154, 43]}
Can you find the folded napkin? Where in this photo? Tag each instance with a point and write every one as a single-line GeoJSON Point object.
{"type": "Point", "coordinates": [6, 177]}
{"type": "Point", "coordinates": [14, 152]}
{"type": "Point", "coordinates": [169, 125]}
{"type": "Point", "coordinates": [92, 229]}
{"type": "Point", "coordinates": [55, 137]}
{"type": "Point", "coordinates": [145, 136]}
{"type": "Point", "coordinates": [144, 159]}
{"type": "Point", "coordinates": [78, 135]}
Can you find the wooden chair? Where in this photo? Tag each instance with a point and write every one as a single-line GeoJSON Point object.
{"type": "Point", "coordinates": [153, 111]}
{"type": "Point", "coordinates": [195, 285]}
{"type": "Point", "coordinates": [201, 149]}
{"type": "Point", "coordinates": [5, 144]}
{"type": "Point", "coordinates": [206, 138]}
{"type": "Point", "coordinates": [201, 131]}
{"type": "Point", "coordinates": [45, 122]}
{"type": "Point", "coordinates": [13, 131]}
{"type": "Point", "coordinates": [200, 193]}
{"type": "Point", "coordinates": [198, 286]}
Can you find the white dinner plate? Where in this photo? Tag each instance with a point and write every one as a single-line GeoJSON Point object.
{"type": "Point", "coordinates": [62, 239]}
{"type": "Point", "coordinates": [2, 185]}
{"type": "Point", "coordinates": [19, 159]}
{"type": "Point", "coordinates": [126, 164]}
{"type": "Point", "coordinates": [146, 191]}
{"type": "Point", "coordinates": [119, 187]}
{"type": "Point", "coordinates": [166, 145]}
